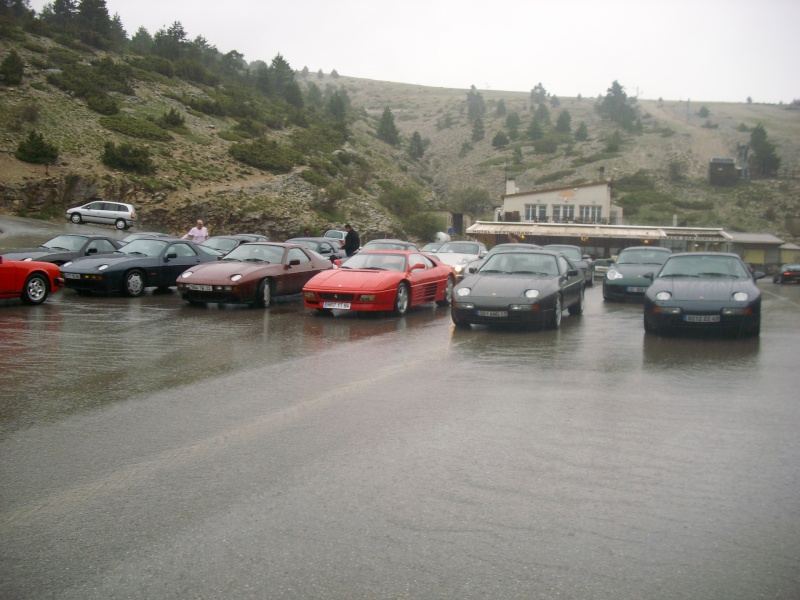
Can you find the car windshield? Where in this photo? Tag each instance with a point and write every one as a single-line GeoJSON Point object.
{"type": "Point", "coordinates": [222, 244]}
{"type": "Point", "coordinates": [144, 247]}
{"type": "Point", "coordinates": [66, 242]}
{"type": "Point", "coordinates": [704, 266]}
{"type": "Point", "coordinates": [568, 251]}
{"type": "Point", "coordinates": [256, 253]}
{"type": "Point", "coordinates": [642, 257]}
{"type": "Point", "coordinates": [378, 261]}
{"type": "Point", "coordinates": [523, 263]}
{"type": "Point", "coordinates": [459, 248]}
{"type": "Point", "coordinates": [310, 244]}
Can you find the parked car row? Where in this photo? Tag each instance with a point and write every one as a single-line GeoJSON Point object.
{"type": "Point", "coordinates": [513, 284]}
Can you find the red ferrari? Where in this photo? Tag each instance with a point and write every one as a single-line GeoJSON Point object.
{"type": "Point", "coordinates": [29, 280]}
{"type": "Point", "coordinates": [382, 280]}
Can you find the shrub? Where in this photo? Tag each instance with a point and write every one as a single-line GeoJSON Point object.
{"type": "Point", "coordinates": [171, 119]}
{"type": "Point", "coordinates": [267, 155]}
{"type": "Point", "coordinates": [138, 128]}
{"type": "Point", "coordinates": [34, 149]}
{"type": "Point", "coordinates": [554, 176]}
{"type": "Point", "coordinates": [12, 68]}
{"type": "Point", "coordinates": [127, 157]}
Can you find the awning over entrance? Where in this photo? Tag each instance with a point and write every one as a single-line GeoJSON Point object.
{"type": "Point", "coordinates": [643, 232]}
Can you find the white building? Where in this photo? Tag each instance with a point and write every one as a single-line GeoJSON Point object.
{"type": "Point", "coordinates": [583, 203]}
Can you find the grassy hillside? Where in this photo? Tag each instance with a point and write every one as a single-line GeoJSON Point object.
{"type": "Point", "coordinates": [659, 170]}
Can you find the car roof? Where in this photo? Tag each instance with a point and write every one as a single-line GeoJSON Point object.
{"type": "Point", "coordinates": [310, 239]}
{"type": "Point", "coordinates": [657, 248]}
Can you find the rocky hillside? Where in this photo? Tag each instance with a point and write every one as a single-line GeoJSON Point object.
{"type": "Point", "coordinates": [196, 177]}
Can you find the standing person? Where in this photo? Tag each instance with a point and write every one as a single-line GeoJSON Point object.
{"type": "Point", "coordinates": [197, 234]}
{"type": "Point", "coordinates": [352, 241]}
{"type": "Point", "coordinates": [307, 232]}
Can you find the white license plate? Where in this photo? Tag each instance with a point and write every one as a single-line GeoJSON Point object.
{"type": "Point", "coordinates": [701, 318]}
{"type": "Point", "coordinates": [199, 288]}
{"type": "Point", "coordinates": [493, 313]}
{"type": "Point", "coordinates": [72, 275]}
{"type": "Point", "coordinates": [341, 305]}
{"type": "Point", "coordinates": [637, 290]}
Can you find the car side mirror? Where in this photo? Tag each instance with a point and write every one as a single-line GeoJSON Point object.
{"type": "Point", "coordinates": [483, 253]}
{"type": "Point", "coordinates": [649, 276]}
{"type": "Point", "coordinates": [91, 251]}
{"type": "Point", "coordinates": [472, 270]}
{"type": "Point", "coordinates": [416, 267]}
{"type": "Point", "coordinates": [170, 255]}
{"type": "Point", "coordinates": [759, 275]}
{"type": "Point", "coordinates": [292, 263]}
{"type": "Point", "coordinates": [573, 273]}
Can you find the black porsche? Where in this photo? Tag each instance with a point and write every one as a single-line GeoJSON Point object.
{"type": "Point", "coordinates": [529, 288]}
{"type": "Point", "coordinates": [704, 291]}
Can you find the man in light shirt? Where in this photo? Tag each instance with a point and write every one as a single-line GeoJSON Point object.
{"type": "Point", "coordinates": [197, 234]}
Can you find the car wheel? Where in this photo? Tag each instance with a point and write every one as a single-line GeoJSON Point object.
{"type": "Point", "coordinates": [264, 293]}
{"type": "Point", "coordinates": [555, 319]}
{"type": "Point", "coordinates": [35, 290]}
{"type": "Point", "coordinates": [134, 284]}
{"type": "Point", "coordinates": [76, 218]}
{"type": "Point", "coordinates": [448, 293]}
{"type": "Point", "coordinates": [120, 224]}
{"type": "Point", "coordinates": [402, 299]}
{"type": "Point", "coordinates": [577, 308]}
{"type": "Point", "coordinates": [460, 323]}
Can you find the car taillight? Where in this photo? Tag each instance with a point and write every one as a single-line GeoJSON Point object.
{"type": "Point", "coordinates": [133, 215]}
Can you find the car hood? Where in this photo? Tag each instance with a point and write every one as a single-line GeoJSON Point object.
{"type": "Point", "coordinates": [355, 279]}
{"type": "Point", "coordinates": [455, 258]}
{"type": "Point", "coordinates": [635, 270]}
{"type": "Point", "coordinates": [497, 284]}
{"type": "Point", "coordinates": [716, 290]}
{"type": "Point", "coordinates": [222, 270]}
{"type": "Point", "coordinates": [34, 253]}
{"type": "Point", "coordinates": [87, 263]}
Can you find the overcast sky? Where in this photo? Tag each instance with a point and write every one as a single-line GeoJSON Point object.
{"type": "Point", "coordinates": [702, 50]}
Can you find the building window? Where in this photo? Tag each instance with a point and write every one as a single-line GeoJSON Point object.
{"type": "Point", "coordinates": [591, 213]}
{"type": "Point", "coordinates": [535, 212]}
{"type": "Point", "coordinates": [563, 212]}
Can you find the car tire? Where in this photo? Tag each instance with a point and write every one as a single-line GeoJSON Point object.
{"type": "Point", "coordinates": [460, 323]}
{"type": "Point", "coordinates": [402, 299]}
{"type": "Point", "coordinates": [555, 319]}
{"type": "Point", "coordinates": [448, 293]}
{"type": "Point", "coordinates": [76, 218]}
{"type": "Point", "coordinates": [35, 290]}
{"type": "Point", "coordinates": [264, 293]}
{"type": "Point", "coordinates": [134, 283]}
{"type": "Point", "coordinates": [577, 308]}
{"type": "Point", "coordinates": [120, 224]}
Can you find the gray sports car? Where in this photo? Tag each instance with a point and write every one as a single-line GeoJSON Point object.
{"type": "Point", "coordinates": [530, 288]}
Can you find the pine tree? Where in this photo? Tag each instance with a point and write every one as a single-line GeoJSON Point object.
{"type": "Point", "coordinates": [416, 148]}
{"type": "Point", "coordinates": [13, 68]}
{"type": "Point", "coordinates": [477, 130]}
{"type": "Point", "coordinates": [765, 161]}
{"type": "Point", "coordinates": [34, 149]}
{"type": "Point", "coordinates": [387, 130]}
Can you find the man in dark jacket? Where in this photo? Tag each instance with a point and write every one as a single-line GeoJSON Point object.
{"type": "Point", "coordinates": [352, 242]}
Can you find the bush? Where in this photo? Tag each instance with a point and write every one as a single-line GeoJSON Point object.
{"type": "Point", "coordinates": [138, 128]}
{"type": "Point", "coordinates": [172, 119]}
{"type": "Point", "coordinates": [554, 176]}
{"type": "Point", "coordinates": [34, 149]}
{"type": "Point", "coordinates": [266, 155]}
{"type": "Point", "coordinates": [127, 157]}
{"type": "Point", "coordinates": [12, 68]}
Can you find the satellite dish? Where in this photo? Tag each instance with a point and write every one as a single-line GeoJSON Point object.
{"type": "Point", "coordinates": [442, 237]}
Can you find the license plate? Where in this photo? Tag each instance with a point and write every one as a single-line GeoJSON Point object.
{"type": "Point", "coordinates": [72, 275]}
{"type": "Point", "coordinates": [701, 318]}
{"type": "Point", "coordinates": [637, 290]}
{"type": "Point", "coordinates": [493, 313]}
{"type": "Point", "coordinates": [341, 305]}
{"type": "Point", "coordinates": [199, 288]}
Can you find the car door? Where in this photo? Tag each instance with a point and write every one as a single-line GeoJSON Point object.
{"type": "Point", "coordinates": [423, 281]}
{"type": "Point", "coordinates": [297, 275]}
{"type": "Point", "coordinates": [571, 284]}
{"type": "Point", "coordinates": [93, 212]}
{"type": "Point", "coordinates": [176, 258]}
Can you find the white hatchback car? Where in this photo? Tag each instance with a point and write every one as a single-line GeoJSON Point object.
{"type": "Point", "coordinates": [117, 214]}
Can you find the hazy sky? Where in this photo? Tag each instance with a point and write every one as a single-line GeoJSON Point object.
{"type": "Point", "coordinates": [703, 50]}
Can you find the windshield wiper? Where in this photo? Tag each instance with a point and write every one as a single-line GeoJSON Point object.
{"type": "Point", "coordinates": [676, 275]}
{"type": "Point", "coordinates": [714, 275]}
{"type": "Point", "coordinates": [256, 260]}
{"type": "Point", "coordinates": [136, 253]}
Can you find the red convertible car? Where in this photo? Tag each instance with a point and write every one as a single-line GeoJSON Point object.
{"type": "Point", "coordinates": [382, 280]}
{"type": "Point", "coordinates": [252, 273]}
{"type": "Point", "coordinates": [30, 281]}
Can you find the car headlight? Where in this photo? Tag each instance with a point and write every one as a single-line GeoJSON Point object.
{"type": "Point", "coordinates": [26, 259]}
{"type": "Point", "coordinates": [66, 264]}
{"type": "Point", "coordinates": [102, 267]}
{"type": "Point", "coordinates": [463, 261]}
{"type": "Point", "coordinates": [463, 292]}
{"type": "Point", "coordinates": [531, 294]}
{"type": "Point", "coordinates": [458, 268]}
{"type": "Point", "coordinates": [613, 274]}
{"type": "Point", "coordinates": [187, 274]}
{"type": "Point", "coordinates": [663, 295]}
{"type": "Point", "coordinates": [740, 296]}
{"type": "Point", "coordinates": [236, 277]}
